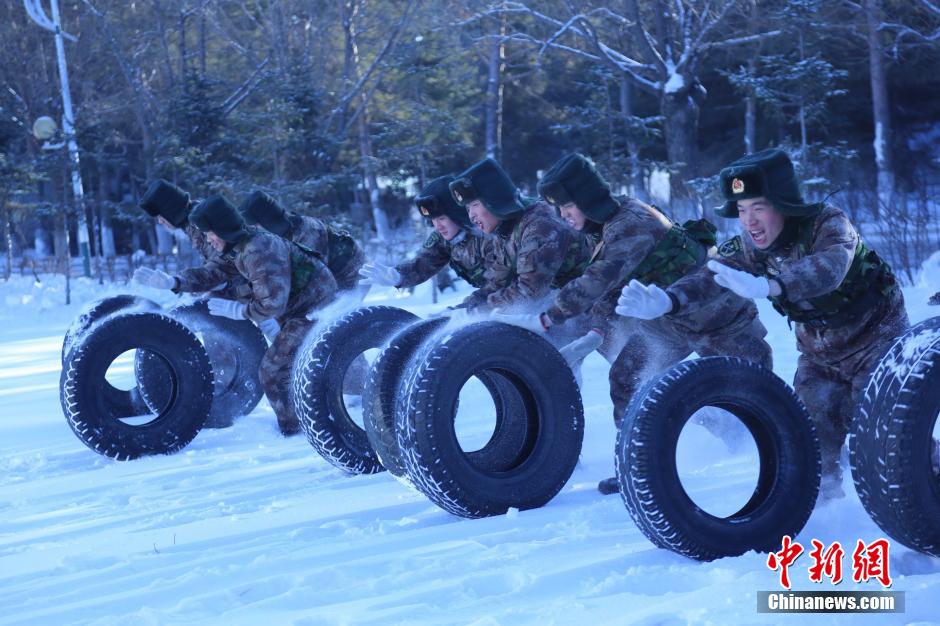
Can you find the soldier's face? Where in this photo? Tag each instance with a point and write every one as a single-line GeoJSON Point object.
{"type": "Point", "coordinates": [165, 223]}
{"type": "Point", "coordinates": [215, 241]}
{"type": "Point", "coordinates": [447, 227]}
{"type": "Point", "coordinates": [760, 220]}
{"type": "Point", "coordinates": [481, 216]}
{"type": "Point", "coordinates": [570, 212]}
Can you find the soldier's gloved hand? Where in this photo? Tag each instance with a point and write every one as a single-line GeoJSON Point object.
{"type": "Point", "coordinates": [378, 274]}
{"type": "Point", "coordinates": [744, 284]}
{"type": "Point", "coordinates": [575, 351]}
{"type": "Point", "coordinates": [270, 328]}
{"type": "Point", "coordinates": [523, 320]}
{"type": "Point", "coordinates": [646, 302]}
{"type": "Point", "coordinates": [231, 309]}
{"type": "Point", "coordinates": [154, 278]}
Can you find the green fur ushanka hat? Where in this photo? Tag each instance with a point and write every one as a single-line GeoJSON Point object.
{"type": "Point", "coordinates": [260, 208]}
{"type": "Point", "coordinates": [575, 179]}
{"type": "Point", "coordinates": [488, 182]}
{"type": "Point", "coordinates": [217, 214]}
{"type": "Point", "coordinates": [436, 200]}
{"type": "Point", "coordinates": [165, 199]}
{"type": "Point", "coordinates": [769, 174]}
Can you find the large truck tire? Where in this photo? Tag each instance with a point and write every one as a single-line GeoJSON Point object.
{"type": "Point", "coordinates": [235, 348]}
{"type": "Point", "coordinates": [319, 376]}
{"type": "Point", "coordinates": [788, 478]}
{"type": "Point", "coordinates": [551, 421]}
{"type": "Point", "coordinates": [892, 449]}
{"type": "Point", "coordinates": [96, 423]}
{"type": "Point", "coordinates": [124, 402]}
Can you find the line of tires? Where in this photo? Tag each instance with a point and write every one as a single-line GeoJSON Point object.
{"type": "Point", "coordinates": [411, 396]}
{"type": "Point", "coordinates": [410, 402]}
{"type": "Point", "coordinates": [192, 370]}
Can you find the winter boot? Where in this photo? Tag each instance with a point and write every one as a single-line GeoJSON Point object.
{"type": "Point", "coordinates": [609, 486]}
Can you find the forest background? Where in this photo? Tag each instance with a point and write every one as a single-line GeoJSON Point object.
{"type": "Point", "coordinates": [341, 109]}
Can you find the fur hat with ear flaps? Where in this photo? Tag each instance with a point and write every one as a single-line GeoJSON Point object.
{"type": "Point", "coordinates": [260, 208]}
{"type": "Point", "coordinates": [436, 200]}
{"type": "Point", "coordinates": [575, 179]}
{"type": "Point", "coordinates": [769, 174]}
{"type": "Point", "coordinates": [220, 216]}
{"type": "Point", "coordinates": [165, 199]}
{"type": "Point", "coordinates": [488, 182]}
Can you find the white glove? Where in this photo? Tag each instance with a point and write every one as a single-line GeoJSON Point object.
{"type": "Point", "coordinates": [523, 320]}
{"type": "Point", "coordinates": [744, 284]}
{"type": "Point", "coordinates": [646, 302]}
{"type": "Point", "coordinates": [270, 328]}
{"type": "Point", "coordinates": [378, 274]}
{"type": "Point", "coordinates": [154, 278]}
{"type": "Point", "coordinates": [575, 351]}
{"type": "Point", "coordinates": [231, 309]}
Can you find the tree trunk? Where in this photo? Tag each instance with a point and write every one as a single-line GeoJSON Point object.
{"type": "Point", "coordinates": [680, 127]}
{"type": "Point", "coordinates": [880, 108]}
{"type": "Point", "coordinates": [638, 184]}
{"type": "Point", "coordinates": [494, 94]}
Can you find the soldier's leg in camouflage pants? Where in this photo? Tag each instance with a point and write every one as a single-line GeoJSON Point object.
{"type": "Point", "coordinates": [831, 401]}
{"type": "Point", "coordinates": [645, 354]}
{"type": "Point", "coordinates": [276, 368]}
{"type": "Point", "coordinates": [748, 343]}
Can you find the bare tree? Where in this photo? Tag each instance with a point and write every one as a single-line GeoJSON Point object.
{"type": "Point", "coordinates": [658, 47]}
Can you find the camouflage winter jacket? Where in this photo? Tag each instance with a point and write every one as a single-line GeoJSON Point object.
{"type": "Point", "coordinates": [813, 261]}
{"type": "Point", "coordinates": [464, 253]}
{"type": "Point", "coordinates": [626, 240]}
{"type": "Point", "coordinates": [529, 256]}
{"type": "Point", "coordinates": [282, 281]}
{"type": "Point", "coordinates": [336, 248]}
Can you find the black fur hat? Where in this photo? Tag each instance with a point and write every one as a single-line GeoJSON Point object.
{"type": "Point", "coordinates": [575, 179]}
{"type": "Point", "coordinates": [769, 174]}
{"type": "Point", "coordinates": [436, 200]}
{"type": "Point", "coordinates": [488, 182]}
{"type": "Point", "coordinates": [165, 199]}
{"type": "Point", "coordinates": [217, 214]}
{"type": "Point", "coordinates": [260, 208]}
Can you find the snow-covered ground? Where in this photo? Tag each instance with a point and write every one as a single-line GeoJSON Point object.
{"type": "Point", "coordinates": [244, 526]}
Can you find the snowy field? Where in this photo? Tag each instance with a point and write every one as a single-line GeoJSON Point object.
{"type": "Point", "coordinates": [246, 527]}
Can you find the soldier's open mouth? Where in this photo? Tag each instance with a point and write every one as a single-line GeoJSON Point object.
{"type": "Point", "coordinates": [758, 236]}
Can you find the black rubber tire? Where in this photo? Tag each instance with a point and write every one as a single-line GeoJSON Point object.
{"type": "Point", "coordinates": [93, 313]}
{"type": "Point", "coordinates": [95, 422]}
{"type": "Point", "coordinates": [317, 386]}
{"type": "Point", "coordinates": [125, 403]}
{"type": "Point", "coordinates": [789, 475]}
{"type": "Point", "coordinates": [383, 400]}
{"type": "Point", "coordinates": [552, 420]}
{"type": "Point", "coordinates": [381, 391]}
{"type": "Point", "coordinates": [891, 440]}
{"type": "Point", "coordinates": [235, 349]}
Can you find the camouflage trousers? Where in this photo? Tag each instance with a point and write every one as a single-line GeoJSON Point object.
{"type": "Point", "coordinates": [276, 369]}
{"type": "Point", "coordinates": [833, 370]}
{"type": "Point", "coordinates": [640, 350]}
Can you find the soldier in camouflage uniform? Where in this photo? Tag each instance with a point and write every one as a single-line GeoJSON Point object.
{"type": "Point", "coordinates": [639, 244]}
{"type": "Point", "coordinates": [171, 206]}
{"type": "Point", "coordinates": [336, 248]}
{"type": "Point", "coordinates": [809, 260]}
{"type": "Point", "coordinates": [532, 251]}
{"type": "Point", "coordinates": [453, 242]}
{"type": "Point", "coordinates": [283, 284]}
